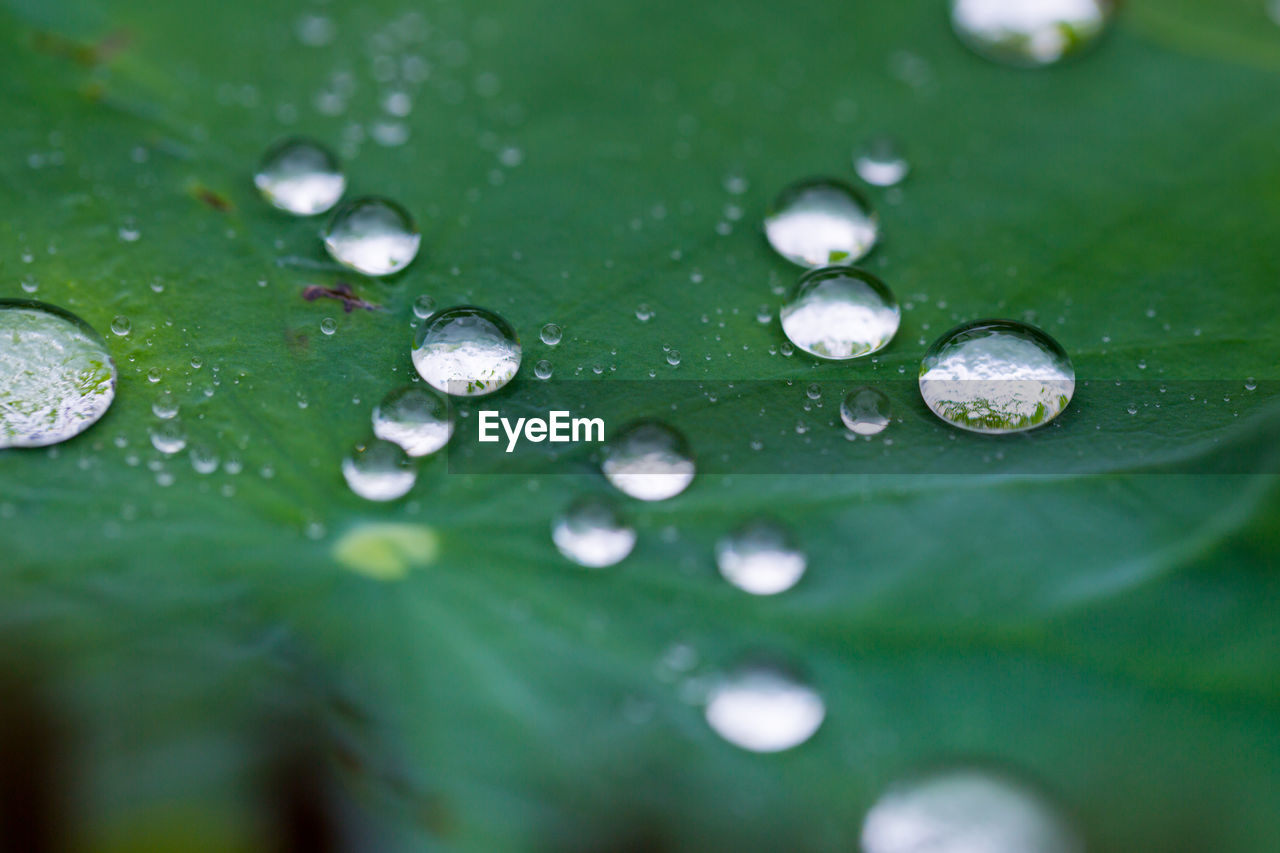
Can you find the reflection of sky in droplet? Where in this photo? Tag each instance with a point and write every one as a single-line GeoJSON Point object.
{"type": "Point", "coordinates": [591, 533]}
{"type": "Point", "coordinates": [1029, 32]}
{"type": "Point", "coordinates": [821, 222]}
{"type": "Point", "coordinates": [763, 709]}
{"type": "Point", "coordinates": [414, 418]}
{"type": "Point", "coordinates": [466, 351]}
{"type": "Point", "coordinates": [760, 558]}
{"type": "Point", "coordinates": [840, 313]}
{"type": "Point", "coordinates": [964, 810]}
{"type": "Point", "coordinates": [649, 461]}
{"type": "Point", "coordinates": [880, 163]}
{"type": "Point", "coordinates": [996, 376]}
{"type": "Point", "coordinates": [301, 177]}
{"type": "Point", "coordinates": [865, 411]}
{"type": "Point", "coordinates": [373, 236]}
{"type": "Point", "coordinates": [56, 376]}
{"type": "Point", "coordinates": [379, 471]}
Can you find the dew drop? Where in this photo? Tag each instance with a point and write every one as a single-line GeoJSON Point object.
{"type": "Point", "coordinates": [673, 357]}
{"type": "Point", "coordinates": [551, 334]}
{"type": "Point", "coordinates": [374, 236]}
{"type": "Point", "coordinates": [967, 810]}
{"type": "Point", "coordinates": [203, 459]}
{"type": "Point", "coordinates": [865, 411]}
{"type": "Point", "coordinates": [328, 325]}
{"type": "Point", "coordinates": [996, 376]}
{"type": "Point", "coordinates": [1030, 33]}
{"type": "Point", "coordinates": [764, 709]}
{"type": "Point", "coordinates": [423, 307]}
{"type": "Point", "coordinates": [120, 325]}
{"type": "Point", "coordinates": [542, 369]}
{"type": "Point", "coordinates": [592, 533]}
{"type": "Point", "coordinates": [168, 436]}
{"type": "Point", "coordinates": [648, 460]}
{"type": "Point", "coordinates": [840, 313]}
{"type": "Point", "coordinates": [760, 558]}
{"type": "Point", "coordinates": [379, 470]}
{"type": "Point", "coordinates": [466, 351]}
{"type": "Point", "coordinates": [880, 162]}
{"type": "Point", "coordinates": [416, 419]}
{"type": "Point", "coordinates": [821, 222]}
{"type": "Point", "coordinates": [154, 375]}
{"type": "Point", "coordinates": [165, 406]}
{"type": "Point", "coordinates": [56, 376]}
{"type": "Point", "coordinates": [301, 177]}
{"type": "Point", "coordinates": [644, 313]}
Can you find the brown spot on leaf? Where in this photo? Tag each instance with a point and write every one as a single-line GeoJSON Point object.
{"type": "Point", "coordinates": [341, 292]}
{"type": "Point", "coordinates": [212, 198]}
{"type": "Point", "coordinates": [80, 52]}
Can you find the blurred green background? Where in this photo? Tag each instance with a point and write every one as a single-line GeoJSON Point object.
{"type": "Point", "coordinates": [187, 663]}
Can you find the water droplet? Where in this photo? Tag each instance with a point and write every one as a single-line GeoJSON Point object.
{"type": "Point", "coordinates": [865, 411]}
{"type": "Point", "coordinates": [120, 325]}
{"type": "Point", "coordinates": [813, 391]}
{"type": "Point", "coordinates": [821, 222]}
{"type": "Point", "coordinates": [996, 376]}
{"type": "Point", "coordinates": [168, 436]}
{"type": "Point", "coordinates": [379, 470]}
{"type": "Point", "coordinates": [592, 533]}
{"type": "Point", "coordinates": [414, 418]}
{"type": "Point", "coordinates": [466, 351]}
{"type": "Point", "coordinates": [648, 460]}
{"type": "Point", "coordinates": [551, 334]}
{"type": "Point", "coordinates": [154, 375]}
{"type": "Point", "coordinates": [373, 236]}
{"type": "Point", "coordinates": [315, 30]}
{"type": "Point", "coordinates": [328, 325]}
{"type": "Point", "coordinates": [301, 177]}
{"type": "Point", "coordinates": [423, 307]}
{"type": "Point", "coordinates": [203, 459]}
{"type": "Point", "coordinates": [673, 357]}
{"type": "Point", "coordinates": [967, 810]}
{"type": "Point", "coordinates": [760, 558]}
{"type": "Point", "coordinates": [880, 162]}
{"type": "Point", "coordinates": [840, 313]}
{"type": "Point", "coordinates": [56, 376]}
{"type": "Point", "coordinates": [764, 709]}
{"type": "Point", "coordinates": [542, 369]}
{"type": "Point", "coordinates": [644, 313]}
{"type": "Point", "coordinates": [165, 406]}
{"type": "Point", "coordinates": [1030, 33]}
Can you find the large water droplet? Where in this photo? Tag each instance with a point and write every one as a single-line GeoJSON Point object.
{"type": "Point", "coordinates": [967, 810]}
{"type": "Point", "coordinates": [466, 351]}
{"type": "Point", "coordinates": [56, 376]}
{"type": "Point", "coordinates": [414, 418]}
{"type": "Point", "coordinates": [821, 222]}
{"type": "Point", "coordinates": [648, 460]}
{"type": "Point", "coordinates": [996, 376]}
{"type": "Point", "coordinates": [865, 411]}
{"type": "Point", "coordinates": [301, 177]}
{"type": "Point", "coordinates": [840, 313]}
{"type": "Point", "coordinates": [592, 533]}
{"type": "Point", "coordinates": [1030, 33]}
{"type": "Point", "coordinates": [880, 162]}
{"type": "Point", "coordinates": [760, 558]}
{"type": "Point", "coordinates": [374, 236]}
{"type": "Point", "coordinates": [764, 709]}
{"type": "Point", "coordinates": [379, 470]}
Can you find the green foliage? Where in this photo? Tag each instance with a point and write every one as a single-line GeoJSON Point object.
{"type": "Point", "coordinates": [1107, 625]}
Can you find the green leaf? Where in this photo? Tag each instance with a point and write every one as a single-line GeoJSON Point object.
{"type": "Point", "coordinates": [257, 654]}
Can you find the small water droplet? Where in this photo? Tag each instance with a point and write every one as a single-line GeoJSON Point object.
{"type": "Point", "coordinates": [996, 376]}
{"type": "Point", "coordinates": [423, 307]}
{"type": "Point", "coordinates": [315, 30]}
{"type": "Point", "coordinates": [120, 325]}
{"type": "Point", "coordinates": [154, 375]}
{"type": "Point", "coordinates": [865, 411]}
{"type": "Point", "coordinates": [379, 470]}
{"type": "Point", "coordinates": [1030, 33]}
{"type": "Point", "coordinates": [301, 177]}
{"type": "Point", "coordinates": [965, 810]}
{"type": "Point", "coordinates": [56, 376]}
{"type": "Point", "coordinates": [204, 460]}
{"type": "Point", "coordinates": [374, 236]}
{"type": "Point", "coordinates": [328, 325]}
{"type": "Point", "coordinates": [168, 436]}
{"type": "Point", "coordinates": [764, 709]}
{"type": "Point", "coordinates": [821, 222]}
{"type": "Point", "coordinates": [673, 357]}
{"type": "Point", "coordinates": [551, 334]}
{"type": "Point", "coordinates": [592, 533]}
{"type": "Point", "coordinates": [644, 313]}
{"type": "Point", "coordinates": [813, 391]}
{"type": "Point", "coordinates": [416, 419]}
{"type": "Point", "coordinates": [760, 558]}
{"type": "Point", "coordinates": [880, 162]}
{"type": "Point", "coordinates": [466, 351]}
{"type": "Point", "coordinates": [165, 406]}
{"type": "Point", "coordinates": [648, 460]}
{"type": "Point", "coordinates": [542, 369]}
{"type": "Point", "coordinates": [840, 313]}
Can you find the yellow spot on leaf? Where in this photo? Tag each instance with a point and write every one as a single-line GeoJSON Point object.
{"type": "Point", "coordinates": [386, 552]}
